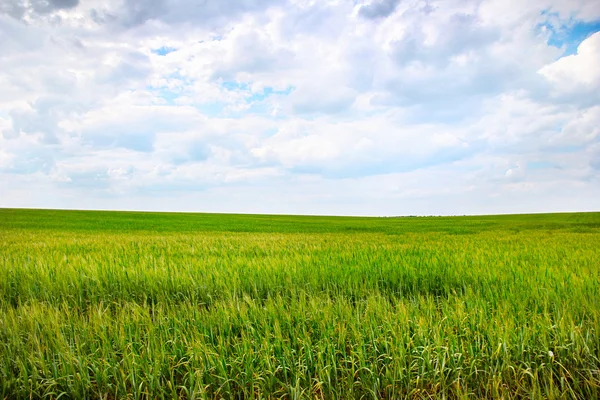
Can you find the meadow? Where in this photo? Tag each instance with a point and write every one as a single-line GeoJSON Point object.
{"type": "Point", "coordinates": [115, 305]}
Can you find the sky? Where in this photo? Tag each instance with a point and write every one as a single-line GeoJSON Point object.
{"type": "Point", "coordinates": [382, 107]}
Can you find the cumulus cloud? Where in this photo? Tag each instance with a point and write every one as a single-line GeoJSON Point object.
{"type": "Point", "coordinates": [577, 72]}
{"type": "Point", "coordinates": [378, 107]}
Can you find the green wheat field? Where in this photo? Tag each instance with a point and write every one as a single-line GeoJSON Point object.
{"type": "Point", "coordinates": [114, 305]}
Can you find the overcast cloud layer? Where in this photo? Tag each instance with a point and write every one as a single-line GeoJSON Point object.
{"type": "Point", "coordinates": [387, 107]}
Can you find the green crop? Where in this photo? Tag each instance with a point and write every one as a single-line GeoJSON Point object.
{"type": "Point", "coordinates": [168, 305]}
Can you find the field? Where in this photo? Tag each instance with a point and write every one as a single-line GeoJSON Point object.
{"type": "Point", "coordinates": [147, 305]}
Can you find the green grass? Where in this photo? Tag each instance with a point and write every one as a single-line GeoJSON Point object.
{"type": "Point", "coordinates": [149, 305]}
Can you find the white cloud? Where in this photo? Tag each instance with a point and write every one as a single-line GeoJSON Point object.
{"type": "Point", "coordinates": [577, 72]}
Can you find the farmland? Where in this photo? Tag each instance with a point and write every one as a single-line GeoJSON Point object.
{"type": "Point", "coordinates": [171, 305]}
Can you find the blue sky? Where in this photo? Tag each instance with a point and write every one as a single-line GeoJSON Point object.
{"type": "Point", "coordinates": [379, 107]}
{"type": "Point", "coordinates": [569, 34]}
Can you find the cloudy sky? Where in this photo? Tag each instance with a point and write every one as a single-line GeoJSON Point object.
{"type": "Point", "coordinates": [382, 107]}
